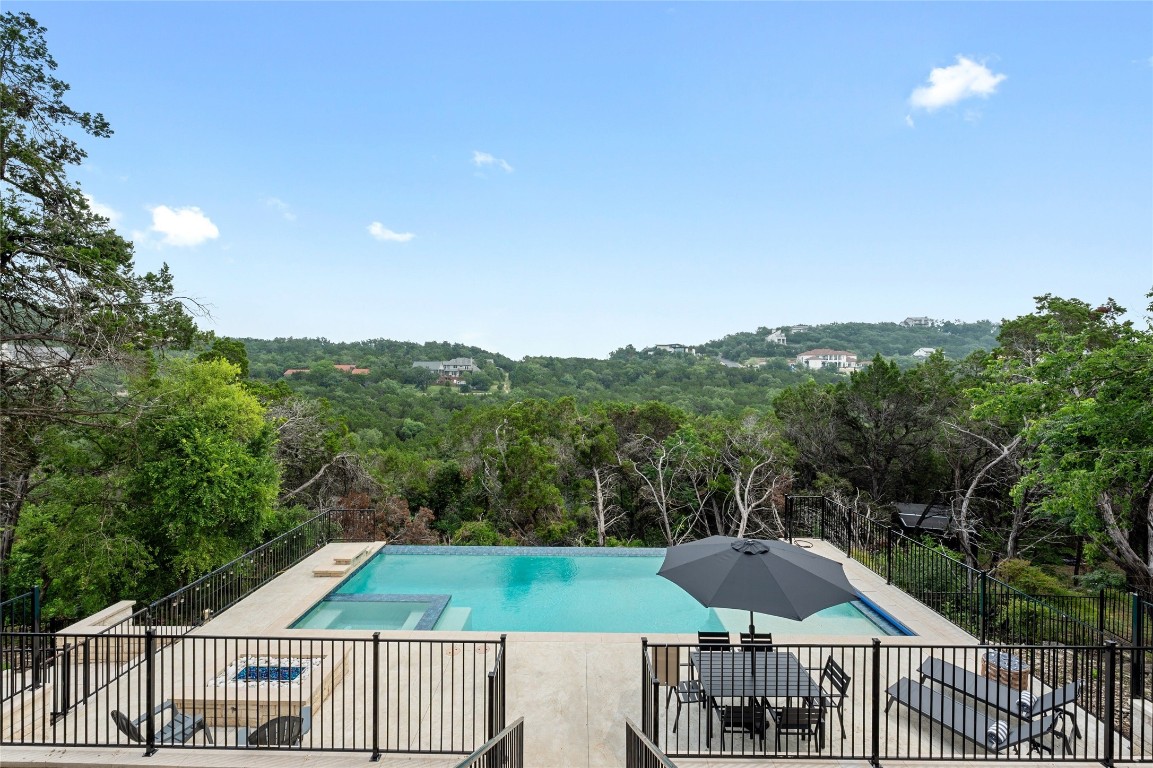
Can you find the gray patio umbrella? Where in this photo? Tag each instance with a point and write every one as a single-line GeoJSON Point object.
{"type": "Point", "coordinates": [757, 575]}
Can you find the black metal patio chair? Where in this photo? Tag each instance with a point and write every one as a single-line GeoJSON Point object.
{"type": "Point", "coordinates": [179, 730]}
{"type": "Point", "coordinates": [282, 731]}
{"type": "Point", "coordinates": [834, 696]}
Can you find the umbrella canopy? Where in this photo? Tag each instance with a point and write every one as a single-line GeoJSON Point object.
{"type": "Point", "coordinates": [757, 575]}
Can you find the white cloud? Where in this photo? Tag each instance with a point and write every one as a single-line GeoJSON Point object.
{"type": "Point", "coordinates": [949, 85]}
{"type": "Point", "coordinates": [482, 159]}
{"type": "Point", "coordinates": [285, 210]}
{"type": "Point", "coordinates": [106, 211]}
{"type": "Point", "coordinates": [386, 235]}
{"type": "Point", "coordinates": [182, 226]}
{"type": "Point", "coordinates": [909, 121]}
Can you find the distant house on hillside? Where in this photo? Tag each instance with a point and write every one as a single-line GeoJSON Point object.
{"type": "Point", "coordinates": [682, 349]}
{"type": "Point", "coordinates": [729, 363]}
{"type": "Point", "coordinates": [816, 359]}
{"type": "Point", "coordinates": [801, 328]}
{"type": "Point", "coordinates": [294, 371]}
{"type": "Point", "coordinates": [919, 322]}
{"type": "Point", "coordinates": [924, 353]}
{"type": "Point", "coordinates": [776, 337]}
{"type": "Point", "coordinates": [453, 367]}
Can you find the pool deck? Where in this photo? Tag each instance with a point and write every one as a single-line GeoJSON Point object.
{"type": "Point", "coordinates": [573, 689]}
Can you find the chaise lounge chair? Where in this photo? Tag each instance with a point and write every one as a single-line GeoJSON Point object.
{"type": "Point", "coordinates": [180, 729]}
{"type": "Point", "coordinates": [986, 691]}
{"type": "Point", "coordinates": [283, 731]}
{"type": "Point", "coordinates": [995, 735]}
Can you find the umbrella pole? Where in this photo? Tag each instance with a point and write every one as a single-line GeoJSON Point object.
{"type": "Point", "coordinates": [752, 629]}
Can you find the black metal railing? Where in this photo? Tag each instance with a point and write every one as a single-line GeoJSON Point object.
{"type": "Point", "coordinates": [1124, 616]}
{"type": "Point", "coordinates": [985, 607]}
{"type": "Point", "coordinates": [495, 696]}
{"type": "Point", "coordinates": [21, 651]}
{"type": "Point", "coordinates": [504, 750]}
{"type": "Point", "coordinates": [174, 615]}
{"type": "Point", "coordinates": [372, 695]}
{"type": "Point", "coordinates": [876, 702]}
{"type": "Point", "coordinates": [640, 752]}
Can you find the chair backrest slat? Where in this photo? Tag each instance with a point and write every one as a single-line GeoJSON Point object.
{"type": "Point", "coordinates": [835, 675]}
{"type": "Point", "coordinates": [714, 638]}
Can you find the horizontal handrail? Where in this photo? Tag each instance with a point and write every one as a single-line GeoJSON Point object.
{"type": "Point", "coordinates": [505, 750]}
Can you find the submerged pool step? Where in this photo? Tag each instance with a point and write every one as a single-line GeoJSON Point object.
{"type": "Point", "coordinates": [455, 619]}
{"type": "Point", "coordinates": [342, 563]}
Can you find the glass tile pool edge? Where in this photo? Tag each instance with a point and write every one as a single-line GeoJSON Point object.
{"type": "Point", "coordinates": [436, 605]}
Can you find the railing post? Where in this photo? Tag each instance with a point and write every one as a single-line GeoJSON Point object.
{"type": "Point", "coordinates": [375, 697]}
{"type": "Point", "coordinates": [149, 690]}
{"type": "Point", "coordinates": [889, 555]}
{"type": "Point", "coordinates": [875, 703]}
{"type": "Point", "coordinates": [824, 506]}
{"type": "Point", "coordinates": [646, 714]}
{"type": "Point", "coordinates": [1101, 612]}
{"type": "Point", "coordinates": [1110, 700]}
{"type": "Point", "coordinates": [789, 518]}
{"type": "Point", "coordinates": [982, 603]}
{"type": "Point", "coordinates": [37, 641]}
{"type": "Point", "coordinates": [849, 544]}
{"type": "Point", "coordinates": [503, 682]}
{"type": "Point", "coordinates": [62, 699]}
{"type": "Point", "coordinates": [1137, 657]}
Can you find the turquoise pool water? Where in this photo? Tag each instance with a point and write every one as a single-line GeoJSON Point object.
{"type": "Point", "coordinates": [545, 593]}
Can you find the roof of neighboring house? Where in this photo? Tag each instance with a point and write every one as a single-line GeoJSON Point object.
{"type": "Point", "coordinates": [359, 371]}
{"type": "Point", "coordinates": [291, 371]}
{"type": "Point", "coordinates": [729, 363]}
{"type": "Point", "coordinates": [819, 352]}
{"type": "Point", "coordinates": [924, 517]}
{"type": "Point", "coordinates": [924, 352]}
{"type": "Point", "coordinates": [346, 367]}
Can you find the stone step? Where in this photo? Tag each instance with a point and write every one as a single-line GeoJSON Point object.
{"type": "Point", "coordinates": [341, 564]}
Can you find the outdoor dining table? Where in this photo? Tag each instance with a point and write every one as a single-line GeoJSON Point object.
{"type": "Point", "coordinates": [733, 674]}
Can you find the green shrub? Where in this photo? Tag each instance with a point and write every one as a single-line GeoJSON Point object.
{"type": "Point", "coordinates": [1022, 575]}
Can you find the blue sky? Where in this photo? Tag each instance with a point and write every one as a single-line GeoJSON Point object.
{"type": "Point", "coordinates": [569, 178]}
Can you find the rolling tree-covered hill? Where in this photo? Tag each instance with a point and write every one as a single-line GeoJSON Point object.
{"type": "Point", "coordinates": [891, 340]}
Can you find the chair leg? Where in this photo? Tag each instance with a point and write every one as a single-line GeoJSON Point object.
{"type": "Point", "coordinates": [677, 721]}
{"type": "Point", "coordinates": [841, 719]}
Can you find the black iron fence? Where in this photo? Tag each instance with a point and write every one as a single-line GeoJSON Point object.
{"type": "Point", "coordinates": [196, 603]}
{"type": "Point", "coordinates": [21, 655]}
{"type": "Point", "coordinates": [1125, 616]}
{"type": "Point", "coordinates": [896, 702]}
{"type": "Point", "coordinates": [974, 600]}
{"type": "Point", "coordinates": [177, 614]}
{"type": "Point", "coordinates": [198, 691]}
{"type": "Point", "coordinates": [504, 750]}
{"type": "Point", "coordinates": [640, 752]}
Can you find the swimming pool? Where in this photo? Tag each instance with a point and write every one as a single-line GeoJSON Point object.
{"type": "Point", "coordinates": [509, 589]}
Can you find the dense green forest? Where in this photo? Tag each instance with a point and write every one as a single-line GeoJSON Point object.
{"type": "Point", "coordinates": [140, 452]}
